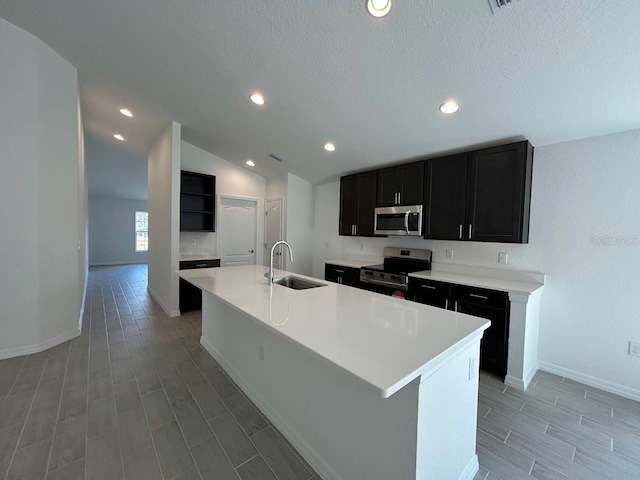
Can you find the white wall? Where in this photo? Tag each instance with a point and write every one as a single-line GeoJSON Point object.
{"type": "Point", "coordinates": [163, 185]}
{"type": "Point", "coordinates": [112, 238]}
{"type": "Point", "coordinates": [299, 225]}
{"type": "Point", "coordinates": [230, 180]}
{"type": "Point", "coordinates": [115, 171]}
{"type": "Point", "coordinates": [83, 219]}
{"type": "Point", "coordinates": [590, 303]}
{"type": "Point", "coordinates": [41, 215]}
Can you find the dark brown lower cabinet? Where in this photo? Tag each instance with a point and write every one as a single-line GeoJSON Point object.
{"type": "Point", "coordinates": [494, 345]}
{"type": "Point", "coordinates": [190, 295]}
{"type": "Point", "coordinates": [479, 302]}
{"type": "Point", "coordinates": [343, 275]}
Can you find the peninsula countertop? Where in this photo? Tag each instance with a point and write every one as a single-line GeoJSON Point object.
{"type": "Point", "coordinates": [384, 341]}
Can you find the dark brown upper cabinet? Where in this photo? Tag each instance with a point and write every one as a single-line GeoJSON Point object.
{"type": "Point", "coordinates": [445, 193]}
{"type": "Point", "coordinates": [481, 196]}
{"type": "Point", "coordinates": [357, 204]}
{"type": "Point", "coordinates": [401, 185]}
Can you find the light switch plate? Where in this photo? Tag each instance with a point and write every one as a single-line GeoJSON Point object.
{"type": "Point", "coordinates": [503, 257]}
{"type": "Point", "coordinates": [449, 253]}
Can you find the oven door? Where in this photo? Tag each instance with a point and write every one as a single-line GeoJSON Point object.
{"type": "Point", "coordinates": [398, 220]}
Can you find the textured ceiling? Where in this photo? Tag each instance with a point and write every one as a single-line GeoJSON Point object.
{"type": "Point", "coordinates": [545, 70]}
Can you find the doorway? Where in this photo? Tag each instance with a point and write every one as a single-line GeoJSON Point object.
{"type": "Point", "coordinates": [273, 232]}
{"type": "Point", "coordinates": [237, 230]}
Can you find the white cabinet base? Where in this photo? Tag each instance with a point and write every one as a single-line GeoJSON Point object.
{"type": "Point", "coordinates": [340, 424]}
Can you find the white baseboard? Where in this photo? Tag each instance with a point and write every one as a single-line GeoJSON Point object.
{"type": "Point", "coordinates": [471, 469]}
{"type": "Point", "coordinates": [606, 385]}
{"type": "Point", "coordinates": [170, 313]}
{"type": "Point", "coordinates": [325, 471]}
{"type": "Point", "coordinates": [521, 384]}
{"type": "Point", "coordinates": [38, 347]}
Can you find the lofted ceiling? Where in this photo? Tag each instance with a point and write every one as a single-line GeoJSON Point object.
{"type": "Point", "coordinates": [544, 70]}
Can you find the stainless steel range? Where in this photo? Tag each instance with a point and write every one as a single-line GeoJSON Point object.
{"type": "Point", "coordinates": [398, 264]}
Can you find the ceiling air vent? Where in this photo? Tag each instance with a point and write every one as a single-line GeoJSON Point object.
{"type": "Point", "coordinates": [277, 157]}
{"type": "Point", "coordinates": [496, 5]}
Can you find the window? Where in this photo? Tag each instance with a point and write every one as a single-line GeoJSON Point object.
{"type": "Point", "coordinates": [142, 231]}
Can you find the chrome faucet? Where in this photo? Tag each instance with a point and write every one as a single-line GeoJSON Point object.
{"type": "Point", "coordinates": [279, 242]}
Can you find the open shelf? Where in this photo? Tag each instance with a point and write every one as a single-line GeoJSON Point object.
{"type": "Point", "coordinates": [197, 202]}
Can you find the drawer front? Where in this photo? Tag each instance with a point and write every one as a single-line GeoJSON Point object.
{"type": "Point", "coordinates": [192, 264]}
{"type": "Point", "coordinates": [421, 286]}
{"type": "Point", "coordinates": [480, 296]}
{"type": "Point", "coordinates": [340, 271]}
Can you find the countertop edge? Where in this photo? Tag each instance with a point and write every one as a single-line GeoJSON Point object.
{"type": "Point", "coordinates": [426, 369]}
{"type": "Point", "coordinates": [481, 282]}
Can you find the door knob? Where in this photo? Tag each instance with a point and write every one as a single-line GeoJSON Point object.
{"type": "Point", "coordinates": [250, 251]}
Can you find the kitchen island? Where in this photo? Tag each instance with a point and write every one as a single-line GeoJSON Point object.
{"type": "Point", "coordinates": [365, 386]}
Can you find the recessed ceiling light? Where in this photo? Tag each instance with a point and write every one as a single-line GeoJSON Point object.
{"type": "Point", "coordinates": [329, 147]}
{"type": "Point", "coordinates": [257, 98]}
{"type": "Point", "coordinates": [126, 112]}
{"type": "Point", "coordinates": [117, 136]}
{"type": "Point", "coordinates": [250, 163]}
{"type": "Point", "coordinates": [378, 8]}
{"type": "Point", "coordinates": [449, 107]}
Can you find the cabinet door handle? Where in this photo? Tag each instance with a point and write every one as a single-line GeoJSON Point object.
{"type": "Point", "coordinates": [355, 229]}
{"type": "Point", "coordinates": [428, 286]}
{"type": "Point", "coordinates": [200, 265]}
{"type": "Point", "coordinates": [483, 297]}
{"type": "Point", "coordinates": [399, 198]}
{"type": "Point", "coordinates": [455, 306]}
{"type": "Point", "coordinates": [460, 233]}
{"type": "Point", "coordinates": [469, 231]}
{"type": "Point", "coordinates": [446, 304]}
{"type": "Point", "coordinates": [339, 271]}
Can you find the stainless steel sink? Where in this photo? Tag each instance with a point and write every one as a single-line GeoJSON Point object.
{"type": "Point", "coordinates": [297, 283]}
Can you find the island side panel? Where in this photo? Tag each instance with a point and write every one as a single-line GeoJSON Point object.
{"type": "Point", "coordinates": [447, 419]}
{"type": "Point", "coordinates": [341, 425]}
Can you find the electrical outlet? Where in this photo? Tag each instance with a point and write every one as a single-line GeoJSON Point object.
{"type": "Point", "coordinates": [194, 241]}
{"type": "Point", "coordinates": [503, 257]}
{"type": "Point", "coordinates": [634, 349]}
{"type": "Point", "coordinates": [362, 247]}
{"type": "Point", "coordinates": [449, 253]}
{"type": "Point", "coordinates": [473, 367]}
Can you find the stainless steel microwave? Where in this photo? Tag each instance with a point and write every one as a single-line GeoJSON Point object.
{"type": "Point", "coordinates": [402, 220]}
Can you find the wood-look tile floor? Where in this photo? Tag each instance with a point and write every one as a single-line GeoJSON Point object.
{"type": "Point", "coordinates": [136, 397]}
{"type": "Point", "coordinates": [133, 397]}
{"type": "Point", "coordinates": [557, 429]}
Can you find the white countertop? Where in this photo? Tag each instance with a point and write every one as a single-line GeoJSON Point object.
{"type": "Point", "coordinates": [504, 285]}
{"type": "Point", "coordinates": [353, 263]}
{"type": "Point", "coordinates": [385, 341]}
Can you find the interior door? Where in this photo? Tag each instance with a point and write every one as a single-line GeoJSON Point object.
{"type": "Point", "coordinates": [273, 232]}
{"type": "Point", "coordinates": [237, 228]}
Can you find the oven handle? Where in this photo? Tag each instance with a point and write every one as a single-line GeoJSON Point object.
{"type": "Point", "coordinates": [382, 282]}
